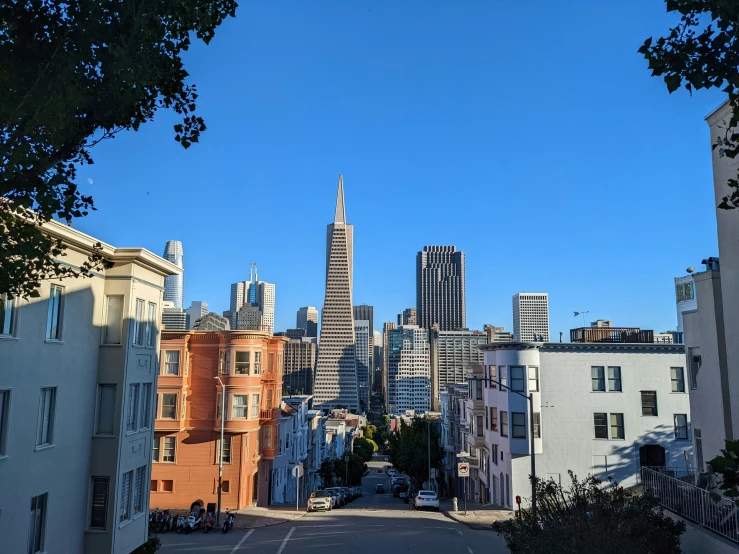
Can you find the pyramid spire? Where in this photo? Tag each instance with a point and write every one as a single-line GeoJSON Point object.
{"type": "Point", "coordinates": [340, 214]}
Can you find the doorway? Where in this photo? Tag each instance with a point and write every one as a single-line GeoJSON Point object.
{"type": "Point", "coordinates": [651, 455]}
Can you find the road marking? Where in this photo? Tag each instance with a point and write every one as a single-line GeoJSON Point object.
{"type": "Point", "coordinates": [470, 550]}
{"type": "Point", "coordinates": [242, 541]}
{"type": "Point", "coordinates": [284, 542]}
{"type": "Point", "coordinates": [458, 531]}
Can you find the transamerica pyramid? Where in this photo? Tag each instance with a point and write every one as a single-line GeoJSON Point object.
{"type": "Point", "coordinates": [336, 367]}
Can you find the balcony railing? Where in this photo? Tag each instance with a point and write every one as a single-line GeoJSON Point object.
{"type": "Point", "coordinates": [268, 414]}
{"type": "Point", "coordinates": [611, 334]}
{"type": "Point", "coordinates": [720, 516]}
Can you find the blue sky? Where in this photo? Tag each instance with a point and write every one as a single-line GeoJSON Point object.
{"type": "Point", "coordinates": [528, 134]}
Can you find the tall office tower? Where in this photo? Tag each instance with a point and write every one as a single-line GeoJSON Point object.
{"type": "Point", "coordinates": [299, 365]}
{"type": "Point", "coordinates": [440, 289]}
{"type": "Point", "coordinates": [365, 312]}
{"type": "Point", "coordinates": [452, 354]}
{"type": "Point", "coordinates": [409, 370]}
{"type": "Point", "coordinates": [386, 328]}
{"type": "Point", "coordinates": [377, 360]}
{"type": "Point", "coordinates": [172, 317]}
{"type": "Point", "coordinates": [308, 320]}
{"type": "Point", "coordinates": [336, 365]}
{"type": "Point", "coordinates": [408, 317]}
{"type": "Point", "coordinates": [362, 350]}
{"type": "Point", "coordinates": [255, 293]}
{"type": "Point", "coordinates": [531, 317]}
{"type": "Point", "coordinates": [197, 309]}
{"type": "Point", "coordinates": [249, 318]}
{"type": "Point", "coordinates": [211, 322]}
{"type": "Point", "coordinates": [174, 285]}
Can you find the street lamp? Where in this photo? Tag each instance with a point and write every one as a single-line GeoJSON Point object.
{"type": "Point", "coordinates": [220, 453]}
{"type": "Point", "coordinates": [530, 398]}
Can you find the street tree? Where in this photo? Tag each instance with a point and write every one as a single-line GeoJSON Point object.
{"type": "Point", "coordinates": [409, 447]}
{"type": "Point", "coordinates": [365, 448]}
{"type": "Point", "coordinates": [727, 465]}
{"type": "Point", "coordinates": [702, 52]}
{"type": "Point", "coordinates": [73, 74]}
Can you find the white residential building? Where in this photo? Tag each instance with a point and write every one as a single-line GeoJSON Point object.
{"type": "Point", "coordinates": [531, 317]}
{"type": "Point", "coordinates": [78, 376]}
{"type": "Point", "coordinates": [316, 450]}
{"type": "Point", "coordinates": [409, 370]}
{"type": "Point", "coordinates": [599, 408]}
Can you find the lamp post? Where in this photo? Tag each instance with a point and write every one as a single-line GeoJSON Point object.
{"type": "Point", "coordinates": [428, 427]}
{"type": "Point", "coordinates": [530, 398]}
{"type": "Point", "coordinates": [220, 452]}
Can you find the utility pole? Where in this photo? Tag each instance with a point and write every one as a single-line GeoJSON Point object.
{"type": "Point", "coordinates": [428, 427]}
{"type": "Point", "coordinates": [220, 451]}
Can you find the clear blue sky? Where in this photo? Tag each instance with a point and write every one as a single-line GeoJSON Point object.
{"type": "Point", "coordinates": [528, 134]}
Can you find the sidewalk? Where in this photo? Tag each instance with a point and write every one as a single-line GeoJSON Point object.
{"type": "Point", "coordinates": [478, 516]}
{"type": "Point", "coordinates": [250, 518]}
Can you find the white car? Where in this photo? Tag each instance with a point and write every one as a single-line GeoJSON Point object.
{"type": "Point", "coordinates": [320, 500]}
{"type": "Point", "coordinates": [427, 499]}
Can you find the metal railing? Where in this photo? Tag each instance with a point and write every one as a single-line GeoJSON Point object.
{"type": "Point", "coordinates": [693, 503]}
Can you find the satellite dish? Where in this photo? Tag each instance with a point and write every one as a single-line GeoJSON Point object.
{"type": "Point", "coordinates": [691, 269]}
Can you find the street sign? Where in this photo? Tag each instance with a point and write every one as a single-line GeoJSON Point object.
{"type": "Point", "coordinates": [518, 500]}
{"type": "Point", "coordinates": [346, 458]}
{"type": "Point", "coordinates": [463, 469]}
{"type": "Point", "coordinates": [463, 455]}
{"type": "Point", "coordinates": [298, 471]}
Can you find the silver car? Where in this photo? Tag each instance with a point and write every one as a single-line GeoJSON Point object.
{"type": "Point", "coordinates": [321, 501]}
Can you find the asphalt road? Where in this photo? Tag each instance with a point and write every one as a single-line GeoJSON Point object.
{"type": "Point", "coordinates": [373, 523]}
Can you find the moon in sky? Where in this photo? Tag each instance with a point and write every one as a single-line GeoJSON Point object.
{"type": "Point", "coordinates": [89, 181]}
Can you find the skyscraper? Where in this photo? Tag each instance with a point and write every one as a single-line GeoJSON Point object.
{"type": "Point", "coordinates": [254, 294]}
{"type": "Point", "coordinates": [308, 320]}
{"type": "Point", "coordinates": [364, 312]}
{"type": "Point", "coordinates": [299, 366]}
{"type": "Point", "coordinates": [174, 285]}
{"type": "Point", "coordinates": [408, 317]}
{"type": "Point", "coordinates": [452, 354]}
{"type": "Point", "coordinates": [409, 370]}
{"type": "Point", "coordinates": [531, 317]}
{"type": "Point", "coordinates": [386, 328]}
{"type": "Point", "coordinates": [440, 288]}
{"type": "Point", "coordinates": [197, 309]}
{"type": "Point", "coordinates": [336, 366]}
{"type": "Point", "coordinates": [362, 334]}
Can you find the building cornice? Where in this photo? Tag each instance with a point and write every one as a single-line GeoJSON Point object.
{"type": "Point", "coordinates": [656, 348]}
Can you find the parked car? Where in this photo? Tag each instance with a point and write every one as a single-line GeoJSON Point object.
{"type": "Point", "coordinates": [335, 498]}
{"type": "Point", "coordinates": [348, 492]}
{"type": "Point", "coordinates": [427, 499]}
{"type": "Point", "coordinates": [359, 492]}
{"type": "Point", "coordinates": [320, 500]}
{"type": "Point", "coordinates": [398, 488]}
{"type": "Point", "coordinates": [341, 497]}
{"type": "Point", "coordinates": [379, 488]}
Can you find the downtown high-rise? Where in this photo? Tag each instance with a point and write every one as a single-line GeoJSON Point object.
{"type": "Point", "coordinates": [531, 317]}
{"type": "Point", "coordinates": [336, 366]}
{"type": "Point", "coordinates": [174, 285]}
{"type": "Point", "coordinates": [440, 288]}
{"type": "Point", "coordinates": [307, 319]}
{"type": "Point", "coordinates": [252, 304]}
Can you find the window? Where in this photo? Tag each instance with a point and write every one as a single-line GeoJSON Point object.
{"type": "Point", "coordinates": [225, 487]}
{"type": "Point", "coordinates": [167, 485]}
{"type": "Point", "coordinates": [153, 485]}
{"type": "Point", "coordinates": [648, 403]}
{"type": "Point", "coordinates": [113, 320]}
{"type": "Point", "coordinates": [169, 406]}
{"type": "Point", "coordinates": [503, 376]}
{"type": "Point", "coordinates": [171, 362]}
{"type": "Point", "coordinates": [4, 417]}
{"type": "Point", "coordinates": [267, 436]}
{"type": "Point", "coordinates": [504, 424]}
{"type": "Point", "coordinates": [184, 406]}
{"type": "Point", "coordinates": [271, 362]}
{"type": "Point", "coordinates": [478, 390]}
{"type": "Point", "coordinates": [225, 362]}
{"type": "Point", "coordinates": [677, 375]}
{"type": "Point", "coordinates": [681, 426]}
{"type": "Point", "coordinates": [37, 527]}
{"type": "Point", "coordinates": [698, 449]}
{"type": "Point", "coordinates": [139, 324]}
{"type": "Point", "coordinates": [155, 450]}
{"type": "Point", "coordinates": [138, 490]}
{"type": "Point", "coordinates": [257, 363]}
{"type": "Point", "coordinates": [517, 378]}
{"type": "Point", "coordinates": [169, 449]}
{"type": "Point", "coordinates": [226, 451]}
{"type": "Point", "coordinates": [493, 419]}
{"type": "Point", "coordinates": [105, 410]}
{"type": "Point", "coordinates": [695, 364]}
{"type": "Point", "coordinates": [494, 453]}
{"type": "Point", "coordinates": [47, 407]}
{"type": "Point", "coordinates": [533, 379]}
{"type": "Point", "coordinates": [493, 375]}
{"type": "Point", "coordinates": [480, 430]}
{"type": "Point", "coordinates": [614, 379]}
{"type": "Point", "coordinates": [518, 422]}
{"type": "Point", "coordinates": [146, 405]}
{"type": "Point", "coordinates": [219, 405]}
{"type": "Point", "coordinates": [132, 408]}
{"type": "Point", "coordinates": [151, 326]}
{"type": "Point", "coordinates": [537, 425]}
{"type": "Point", "coordinates": [54, 317]}
{"type": "Point", "coordinates": [599, 380]}
{"type": "Point", "coordinates": [125, 504]}
{"type": "Point", "coordinates": [617, 426]}
{"type": "Point", "coordinates": [99, 502]}
{"type": "Point", "coordinates": [601, 425]}
{"type": "Point", "coordinates": [254, 405]}
{"type": "Point", "coordinates": [241, 367]}
{"type": "Point", "coordinates": [8, 311]}
{"type": "Point", "coordinates": [239, 407]}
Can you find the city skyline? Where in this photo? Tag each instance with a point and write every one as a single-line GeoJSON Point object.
{"type": "Point", "coordinates": [403, 155]}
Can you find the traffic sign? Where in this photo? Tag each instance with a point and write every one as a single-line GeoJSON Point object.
{"type": "Point", "coordinates": [463, 469]}
{"type": "Point", "coordinates": [298, 471]}
{"type": "Point", "coordinates": [464, 454]}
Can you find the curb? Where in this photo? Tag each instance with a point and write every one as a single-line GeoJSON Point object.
{"type": "Point", "coordinates": [474, 526]}
{"type": "Point", "coordinates": [275, 523]}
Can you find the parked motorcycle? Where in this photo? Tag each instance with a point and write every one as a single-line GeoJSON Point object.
{"type": "Point", "coordinates": [181, 523]}
{"type": "Point", "coordinates": [228, 523]}
{"type": "Point", "coordinates": [153, 519]}
{"type": "Point", "coordinates": [194, 520]}
{"type": "Point", "coordinates": [170, 522]}
{"type": "Point", "coordinates": [209, 521]}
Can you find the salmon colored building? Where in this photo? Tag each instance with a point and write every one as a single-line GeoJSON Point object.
{"type": "Point", "coordinates": [188, 417]}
